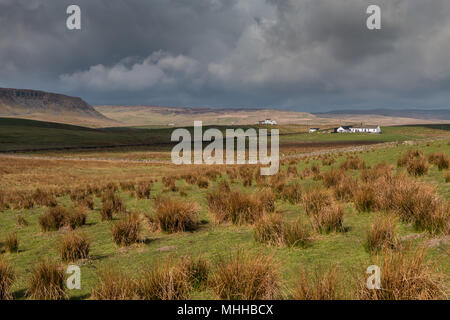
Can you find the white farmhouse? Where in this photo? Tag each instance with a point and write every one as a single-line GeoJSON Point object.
{"type": "Point", "coordinates": [269, 122]}
{"type": "Point", "coordinates": [342, 129]}
{"type": "Point", "coordinates": [366, 129]}
{"type": "Point", "coordinates": [311, 130]}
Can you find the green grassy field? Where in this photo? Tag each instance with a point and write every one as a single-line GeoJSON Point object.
{"type": "Point", "coordinates": [20, 134]}
{"type": "Point", "coordinates": [345, 249]}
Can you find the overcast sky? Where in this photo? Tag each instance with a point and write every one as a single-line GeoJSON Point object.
{"type": "Point", "coordinates": [305, 55]}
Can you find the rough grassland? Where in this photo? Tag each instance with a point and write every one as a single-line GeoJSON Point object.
{"type": "Point", "coordinates": [346, 249]}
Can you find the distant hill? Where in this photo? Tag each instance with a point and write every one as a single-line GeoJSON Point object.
{"type": "Point", "coordinates": [156, 115]}
{"type": "Point", "coordinates": [433, 115]}
{"type": "Point", "coordinates": [46, 106]}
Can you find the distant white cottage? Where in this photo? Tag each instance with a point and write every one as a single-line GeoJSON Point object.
{"type": "Point", "coordinates": [342, 129]}
{"type": "Point", "coordinates": [311, 130]}
{"type": "Point", "coordinates": [366, 129]}
{"type": "Point", "coordinates": [269, 122]}
{"type": "Point", "coordinates": [361, 129]}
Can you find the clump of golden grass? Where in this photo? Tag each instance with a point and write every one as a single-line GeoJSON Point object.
{"type": "Point", "coordinates": [418, 166]}
{"type": "Point", "coordinates": [47, 281]}
{"type": "Point", "coordinates": [441, 160]}
{"type": "Point", "coordinates": [271, 229]}
{"type": "Point", "coordinates": [344, 189]}
{"type": "Point", "coordinates": [420, 204]}
{"type": "Point", "coordinates": [111, 204]}
{"type": "Point", "coordinates": [266, 199]}
{"type": "Point", "coordinates": [202, 183]}
{"type": "Point", "coordinates": [44, 198]}
{"type": "Point", "coordinates": [115, 285]}
{"type": "Point", "coordinates": [165, 282]}
{"type": "Point", "coordinates": [21, 222]}
{"type": "Point", "coordinates": [382, 235]}
{"type": "Point", "coordinates": [353, 163]}
{"type": "Point", "coordinates": [321, 285]}
{"type": "Point", "coordinates": [306, 173]}
{"type": "Point", "coordinates": [365, 198]}
{"type": "Point", "coordinates": [3, 201]}
{"type": "Point", "coordinates": [380, 170]}
{"type": "Point", "coordinates": [76, 217]}
{"type": "Point", "coordinates": [332, 177]}
{"type": "Point", "coordinates": [21, 200]}
{"type": "Point", "coordinates": [329, 218]}
{"type": "Point", "coordinates": [12, 242]}
{"type": "Point", "coordinates": [213, 174]}
{"type": "Point", "coordinates": [85, 202]}
{"type": "Point", "coordinates": [405, 276]}
{"type": "Point", "coordinates": [170, 183]}
{"type": "Point", "coordinates": [292, 171]}
{"type": "Point", "coordinates": [74, 246]}
{"type": "Point", "coordinates": [447, 176]}
{"type": "Point", "coordinates": [127, 186]}
{"type": "Point", "coordinates": [196, 270]}
{"type": "Point", "coordinates": [174, 215]}
{"type": "Point", "coordinates": [144, 188]}
{"type": "Point", "coordinates": [415, 162]}
{"type": "Point", "coordinates": [7, 277]}
{"type": "Point", "coordinates": [328, 161]}
{"type": "Point", "coordinates": [54, 219]}
{"type": "Point", "coordinates": [57, 217]}
{"type": "Point", "coordinates": [246, 174]}
{"type": "Point", "coordinates": [127, 230]}
{"type": "Point", "coordinates": [315, 199]}
{"type": "Point", "coordinates": [278, 182]}
{"type": "Point", "coordinates": [292, 192]}
{"type": "Point", "coordinates": [236, 206]}
{"type": "Point", "coordinates": [244, 277]}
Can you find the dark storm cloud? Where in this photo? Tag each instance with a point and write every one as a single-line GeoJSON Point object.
{"type": "Point", "coordinates": [305, 54]}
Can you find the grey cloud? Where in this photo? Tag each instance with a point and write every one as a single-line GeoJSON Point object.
{"type": "Point", "coordinates": [299, 54]}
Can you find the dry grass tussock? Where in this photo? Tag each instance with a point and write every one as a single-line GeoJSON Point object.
{"type": "Point", "coordinates": [12, 242]}
{"type": "Point", "coordinates": [320, 285]}
{"type": "Point", "coordinates": [47, 281]}
{"type": "Point", "coordinates": [7, 277]}
{"type": "Point", "coordinates": [405, 275]}
{"type": "Point", "coordinates": [246, 277]}
{"type": "Point", "coordinates": [329, 218]}
{"type": "Point", "coordinates": [292, 192]}
{"type": "Point", "coordinates": [441, 160]}
{"type": "Point", "coordinates": [144, 189]}
{"type": "Point", "coordinates": [415, 162]}
{"type": "Point", "coordinates": [127, 230]}
{"type": "Point", "coordinates": [164, 281]}
{"type": "Point", "coordinates": [58, 217]}
{"type": "Point", "coordinates": [175, 215]}
{"type": "Point", "coordinates": [74, 246]}
{"type": "Point", "coordinates": [353, 163]}
{"type": "Point", "coordinates": [272, 230]}
{"type": "Point", "coordinates": [315, 199]}
{"type": "Point", "coordinates": [382, 235]}
{"type": "Point", "coordinates": [238, 206]}
{"type": "Point", "coordinates": [111, 204]}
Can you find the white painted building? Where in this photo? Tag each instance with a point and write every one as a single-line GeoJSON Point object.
{"type": "Point", "coordinates": [269, 122]}
{"type": "Point", "coordinates": [366, 129]}
{"type": "Point", "coordinates": [342, 129]}
{"type": "Point", "coordinates": [311, 130]}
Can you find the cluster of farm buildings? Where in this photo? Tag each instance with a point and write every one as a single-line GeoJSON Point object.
{"type": "Point", "coordinates": [341, 129]}
{"type": "Point", "coordinates": [351, 129]}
